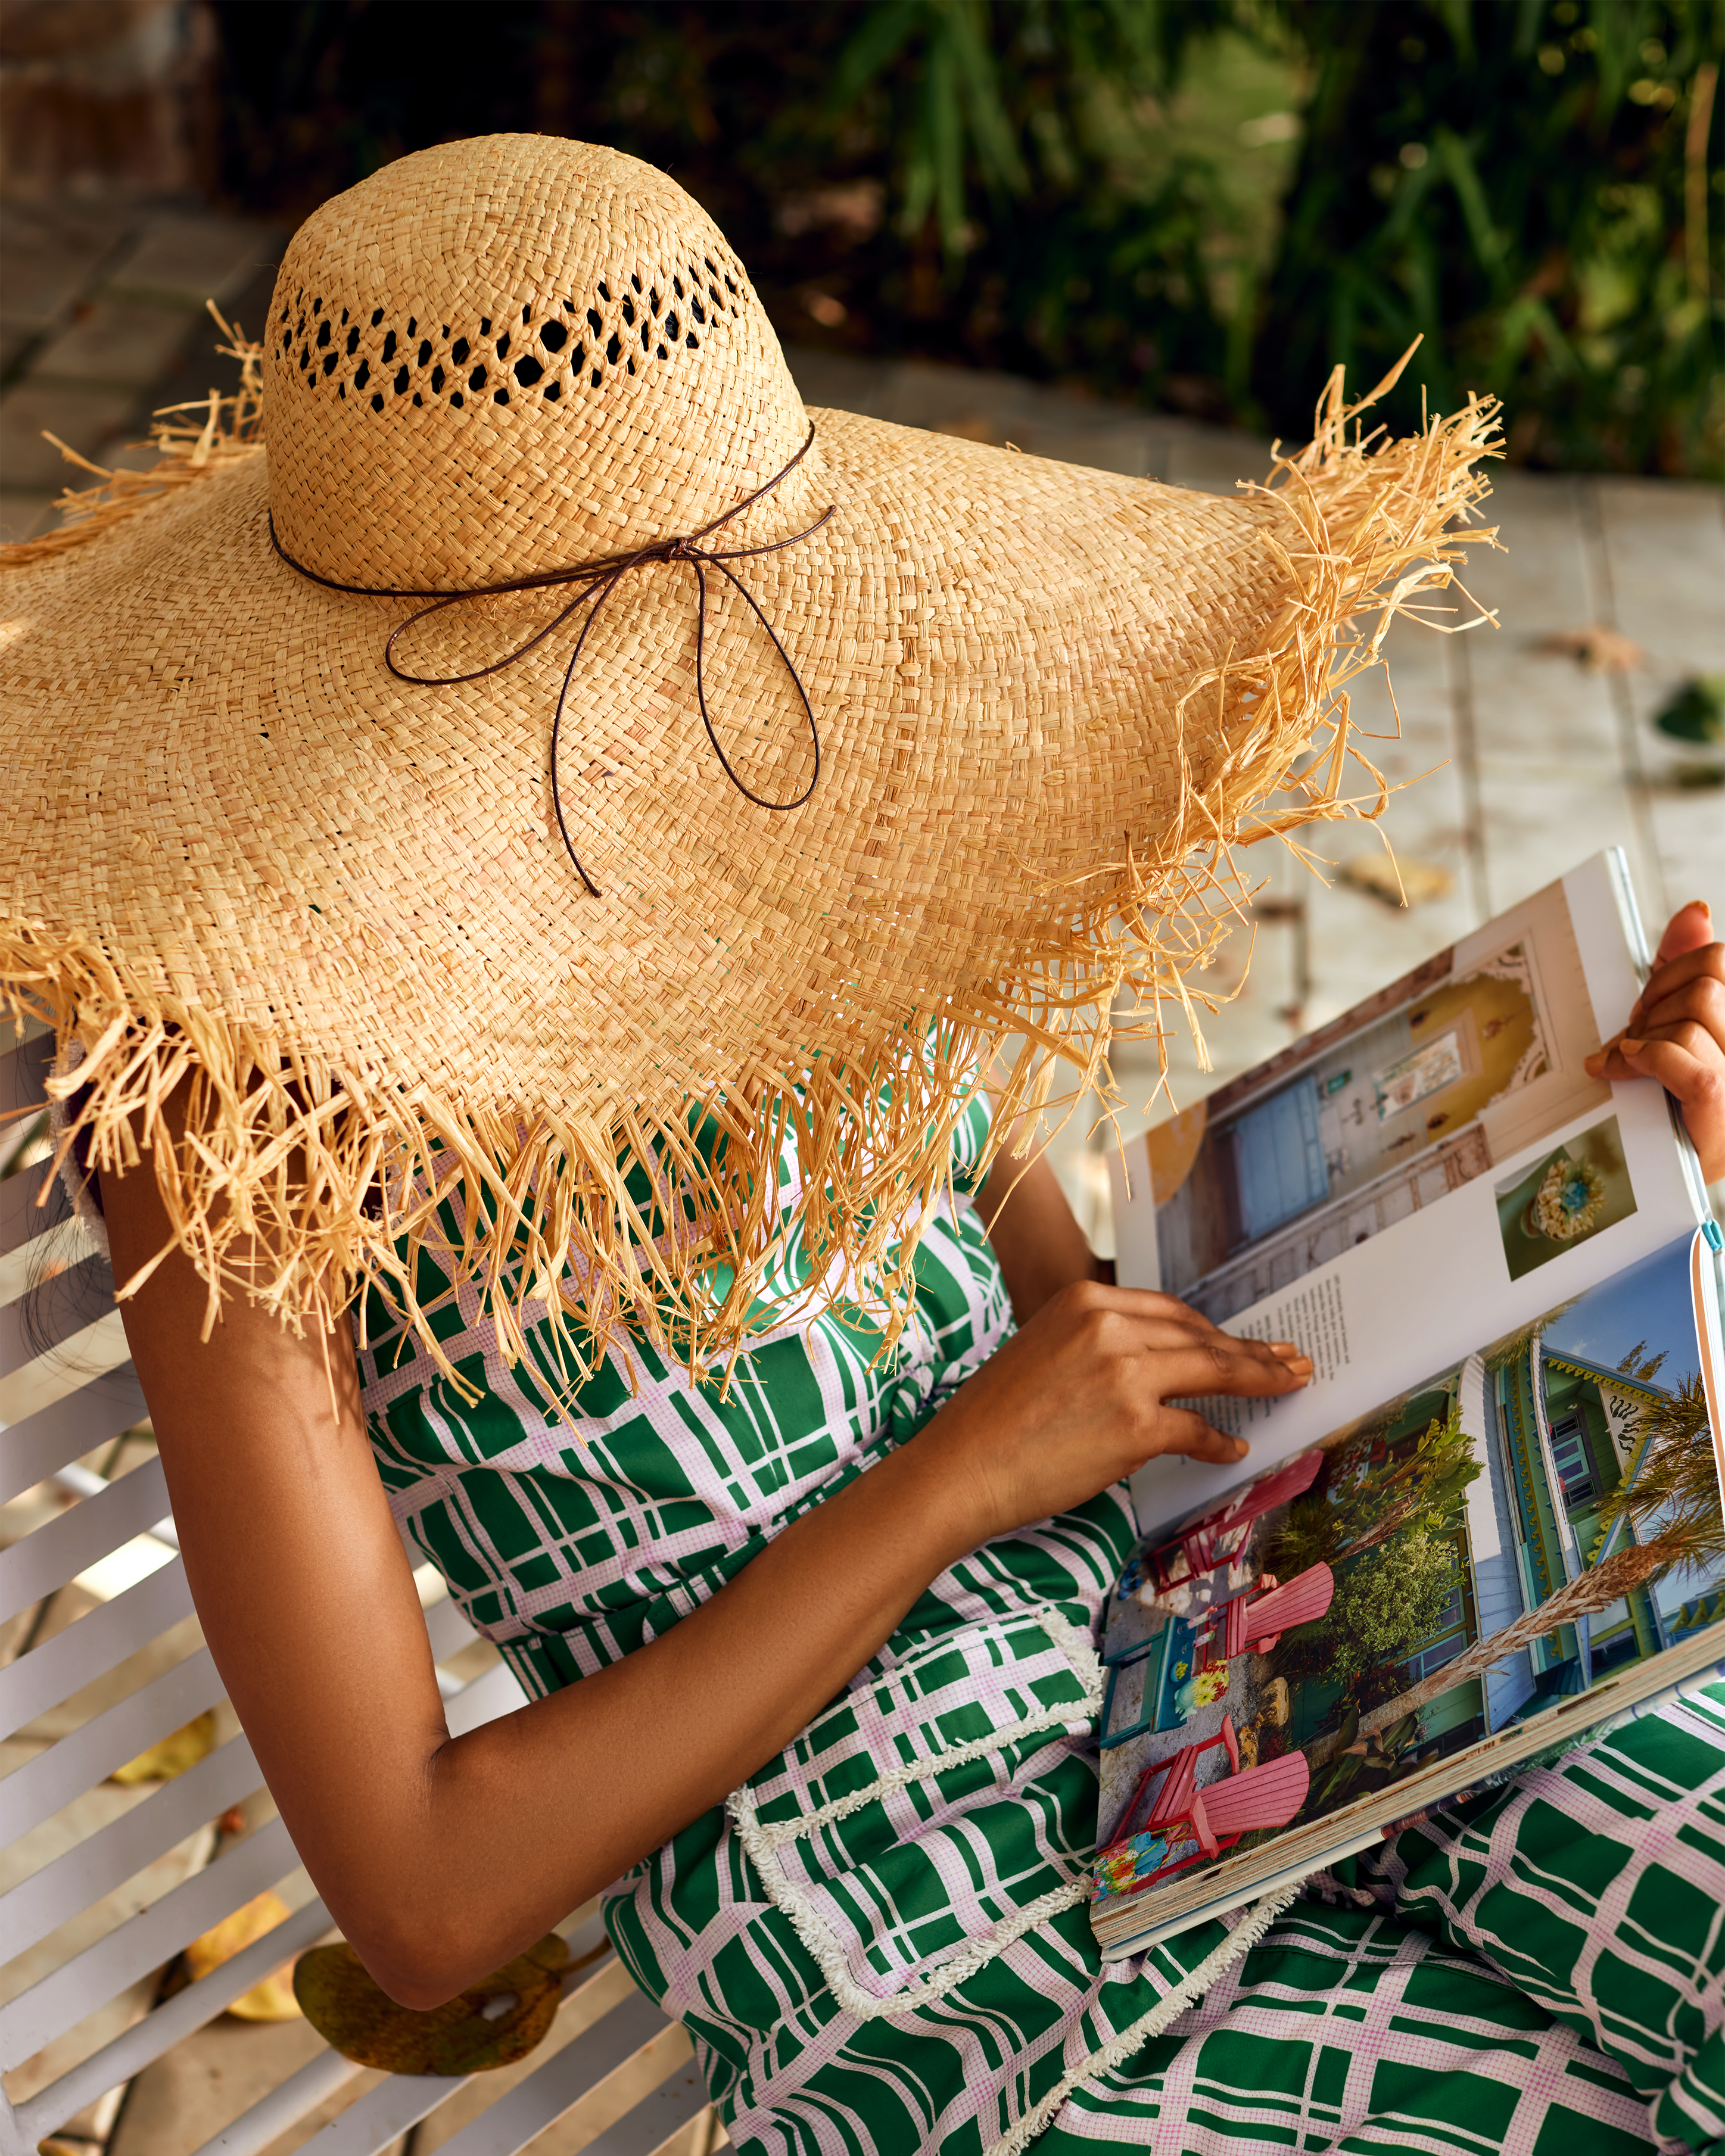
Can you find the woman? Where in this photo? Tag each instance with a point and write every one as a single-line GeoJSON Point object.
{"type": "Point", "coordinates": [646, 1118]}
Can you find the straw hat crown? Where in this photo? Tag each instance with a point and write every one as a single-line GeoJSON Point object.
{"type": "Point", "coordinates": [500, 357]}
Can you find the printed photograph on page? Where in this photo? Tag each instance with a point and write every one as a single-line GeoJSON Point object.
{"type": "Point", "coordinates": [1457, 1067]}
{"type": "Point", "coordinates": [1495, 1540]}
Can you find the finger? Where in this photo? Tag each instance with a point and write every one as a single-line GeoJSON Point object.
{"type": "Point", "coordinates": [1706, 962]}
{"type": "Point", "coordinates": [1161, 1336]}
{"type": "Point", "coordinates": [1697, 1083]}
{"type": "Point", "coordinates": [1687, 1034]}
{"type": "Point", "coordinates": [1191, 1373]}
{"type": "Point", "coordinates": [1703, 961]}
{"type": "Point", "coordinates": [1198, 1328]}
{"type": "Point", "coordinates": [1185, 1431]}
{"type": "Point", "coordinates": [1672, 1060]}
{"type": "Point", "coordinates": [1688, 928]}
{"type": "Point", "coordinates": [1149, 1302]}
{"type": "Point", "coordinates": [1701, 999]}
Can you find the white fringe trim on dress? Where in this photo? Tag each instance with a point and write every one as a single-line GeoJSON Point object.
{"type": "Point", "coordinates": [1253, 1925]}
{"type": "Point", "coordinates": [762, 1844]}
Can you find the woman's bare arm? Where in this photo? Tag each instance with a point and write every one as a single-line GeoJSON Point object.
{"type": "Point", "coordinates": [1040, 1247]}
{"type": "Point", "coordinates": [441, 1858]}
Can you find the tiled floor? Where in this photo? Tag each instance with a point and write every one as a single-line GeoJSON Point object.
{"type": "Point", "coordinates": [102, 320]}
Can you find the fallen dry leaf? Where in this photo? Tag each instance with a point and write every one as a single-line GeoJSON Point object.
{"type": "Point", "coordinates": [1422, 881]}
{"type": "Point", "coordinates": [969, 427]}
{"type": "Point", "coordinates": [1600, 649]}
{"type": "Point", "coordinates": [492, 2024]}
{"type": "Point", "coordinates": [271, 2000]}
{"type": "Point", "coordinates": [171, 1755]}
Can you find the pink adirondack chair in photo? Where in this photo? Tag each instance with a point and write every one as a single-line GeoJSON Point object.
{"type": "Point", "coordinates": [1218, 1535]}
{"type": "Point", "coordinates": [1259, 1617]}
{"type": "Point", "coordinates": [1216, 1816]}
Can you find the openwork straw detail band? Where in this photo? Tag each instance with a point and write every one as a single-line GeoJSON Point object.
{"type": "Point", "coordinates": [597, 579]}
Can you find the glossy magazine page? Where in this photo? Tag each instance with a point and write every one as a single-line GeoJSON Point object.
{"type": "Point", "coordinates": [1523, 1541]}
{"type": "Point", "coordinates": [1435, 1166]}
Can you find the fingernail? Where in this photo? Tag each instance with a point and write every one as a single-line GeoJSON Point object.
{"type": "Point", "coordinates": [1632, 1047]}
{"type": "Point", "coordinates": [1286, 1349]}
{"type": "Point", "coordinates": [1704, 906]}
{"type": "Point", "coordinates": [1240, 1448]}
{"type": "Point", "coordinates": [1593, 1064]}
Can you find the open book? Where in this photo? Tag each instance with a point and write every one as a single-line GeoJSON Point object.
{"type": "Point", "coordinates": [1493, 1519]}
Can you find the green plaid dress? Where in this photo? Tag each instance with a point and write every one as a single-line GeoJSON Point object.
{"type": "Point", "coordinates": [882, 1943]}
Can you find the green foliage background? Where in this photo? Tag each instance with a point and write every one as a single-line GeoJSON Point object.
{"type": "Point", "coordinates": [1201, 203]}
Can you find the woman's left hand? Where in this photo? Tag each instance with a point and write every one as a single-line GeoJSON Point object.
{"type": "Point", "coordinates": [1677, 1032]}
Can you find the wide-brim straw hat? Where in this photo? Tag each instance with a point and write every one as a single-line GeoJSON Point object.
{"type": "Point", "coordinates": [524, 964]}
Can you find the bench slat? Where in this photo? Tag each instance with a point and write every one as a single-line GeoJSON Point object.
{"type": "Point", "coordinates": [114, 1853]}
{"type": "Point", "coordinates": [89, 1393]}
{"type": "Point", "coordinates": [89, 1353]}
{"type": "Point", "coordinates": [36, 1790]}
{"type": "Point", "coordinates": [533, 2104]}
{"type": "Point", "coordinates": [34, 1326]}
{"type": "Point", "coordinates": [97, 1643]}
{"type": "Point", "coordinates": [286, 2104]}
{"type": "Point", "coordinates": [144, 1943]}
{"type": "Point", "coordinates": [496, 1690]}
{"type": "Point", "coordinates": [40, 1443]}
{"type": "Point", "coordinates": [448, 1630]}
{"type": "Point", "coordinates": [62, 1548]}
{"type": "Point", "coordinates": [24, 1066]}
{"type": "Point", "coordinates": [134, 2049]}
{"type": "Point", "coordinates": [384, 2114]}
{"type": "Point", "coordinates": [24, 1075]}
{"type": "Point", "coordinates": [22, 1219]}
{"type": "Point", "coordinates": [34, 1233]}
{"type": "Point", "coordinates": [660, 2114]}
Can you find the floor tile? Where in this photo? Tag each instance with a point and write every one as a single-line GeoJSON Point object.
{"type": "Point", "coordinates": [118, 340]}
{"type": "Point", "coordinates": [84, 418]}
{"type": "Point", "coordinates": [195, 257]}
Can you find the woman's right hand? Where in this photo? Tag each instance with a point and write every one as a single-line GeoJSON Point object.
{"type": "Point", "coordinates": [1081, 1397]}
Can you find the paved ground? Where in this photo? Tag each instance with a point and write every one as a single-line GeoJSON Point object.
{"type": "Point", "coordinates": [102, 320]}
{"type": "Point", "coordinates": [1529, 762]}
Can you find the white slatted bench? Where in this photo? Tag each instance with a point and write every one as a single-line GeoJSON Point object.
{"type": "Point", "coordinates": [66, 1387]}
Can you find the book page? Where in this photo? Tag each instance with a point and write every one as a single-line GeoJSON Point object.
{"type": "Point", "coordinates": [1530, 1521]}
{"type": "Point", "coordinates": [1432, 1166]}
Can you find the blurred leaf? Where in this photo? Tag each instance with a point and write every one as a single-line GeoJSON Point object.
{"type": "Point", "coordinates": [1519, 183]}
{"type": "Point", "coordinates": [1068, 192]}
{"type": "Point", "coordinates": [492, 2024]}
{"type": "Point", "coordinates": [882, 31]}
{"type": "Point", "coordinates": [1402, 881]}
{"type": "Point", "coordinates": [170, 1756]}
{"type": "Point", "coordinates": [1598, 649]}
{"type": "Point", "coordinates": [272, 1999]}
{"type": "Point", "coordinates": [1696, 712]}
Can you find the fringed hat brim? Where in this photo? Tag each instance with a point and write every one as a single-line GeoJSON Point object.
{"type": "Point", "coordinates": [333, 908]}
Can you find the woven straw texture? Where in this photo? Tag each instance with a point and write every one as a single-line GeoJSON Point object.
{"type": "Point", "coordinates": [241, 852]}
